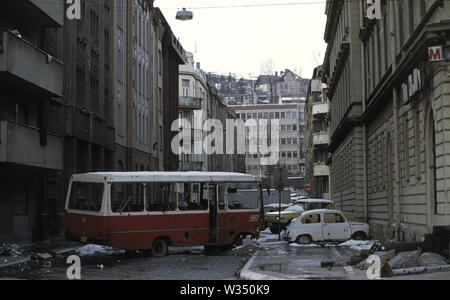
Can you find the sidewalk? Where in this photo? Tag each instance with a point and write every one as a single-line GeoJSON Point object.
{"type": "Point", "coordinates": [279, 260]}
{"type": "Point", "coordinates": [28, 250]}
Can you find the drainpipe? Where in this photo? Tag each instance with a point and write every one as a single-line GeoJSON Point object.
{"type": "Point", "coordinates": [363, 91]}
{"type": "Point", "coordinates": [395, 109]}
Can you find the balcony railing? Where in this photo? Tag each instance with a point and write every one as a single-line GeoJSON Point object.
{"type": "Point", "coordinates": [21, 144]}
{"type": "Point", "coordinates": [320, 109]}
{"type": "Point", "coordinates": [28, 68]}
{"type": "Point", "coordinates": [321, 170]}
{"type": "Point", "coordinates": [190, 102]}
{"type": "Point", "coordinates": [36, 13]}
{"type": "Point", "coordinates": [321, 139]}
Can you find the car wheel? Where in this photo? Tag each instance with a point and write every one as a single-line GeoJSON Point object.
{"type": "Point", "coordinates": [360, 236]}
{"type": "Point", "coordinates": [160, 248]}
{"type": "Point", "coordinates": [303, 240]}
{"type": "Point", "coordinates": [274, 230]}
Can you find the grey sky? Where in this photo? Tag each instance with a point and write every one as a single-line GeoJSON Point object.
{"type": "Point", "coordinates": [240, 40]}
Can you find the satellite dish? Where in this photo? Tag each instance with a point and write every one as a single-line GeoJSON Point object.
{"type": "Point", "coordinates": [185, 15]}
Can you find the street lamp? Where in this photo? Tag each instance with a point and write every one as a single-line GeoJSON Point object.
{"type": "Point", "coordinates": [185, 15]}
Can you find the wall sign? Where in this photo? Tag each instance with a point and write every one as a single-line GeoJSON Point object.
{"type": "Point", "coordinates": [414, 85]}
{"type": "Point", "coordinates": [438, 53]}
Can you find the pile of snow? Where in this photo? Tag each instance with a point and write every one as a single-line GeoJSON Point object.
{"type": "Point", "coordinates": [303, 246]}
{"type": "Point", "coordinates": [413, 259]}
{"type": "Point", "coordinates": [431, 259]}
{"type": "Point", "coordinates": [91, 250]}
{"type": "Point", "coordinates": [358, 245]}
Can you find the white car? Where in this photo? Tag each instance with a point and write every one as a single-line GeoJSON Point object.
{"type": "Point", "coordinates": [325, 225]}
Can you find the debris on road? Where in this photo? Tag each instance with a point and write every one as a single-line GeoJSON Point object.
{"type": "Point", "coordinates": [405, 260]}
{"type": "Point", "coordinates": [431, 259]}
{"type": "Point", "coordinates": [10, 250]}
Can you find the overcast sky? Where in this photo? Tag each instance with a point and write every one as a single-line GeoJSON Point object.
{"type": "Point", "coordinates": [240, 40]}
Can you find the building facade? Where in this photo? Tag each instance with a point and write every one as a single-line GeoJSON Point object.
{"type": "Point", "coordinates": [342, 74]}
{"type": "Point", "coordinates": [291, 151]}
{"type": "Point", "coordinates": [402, 118]}
{"type": "Point", "coordinates": [194, 91]}
{"type": "Point", "coordinates": [317, 139]}
{"type": "Point", "coordinates": [31, 119]}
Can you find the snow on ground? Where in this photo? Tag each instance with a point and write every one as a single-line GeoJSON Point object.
{"type": "Point", "coordinates": [90, 250]}
{"type": "Point", "coordinates": [182, 250]}
{"type": "Point", "coordinates": [303, 246]}
{"type": "Point", "coordinates": [358, 245]}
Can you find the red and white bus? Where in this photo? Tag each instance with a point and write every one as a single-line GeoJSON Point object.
{"type": "Point", "coordinates": [155, 210]}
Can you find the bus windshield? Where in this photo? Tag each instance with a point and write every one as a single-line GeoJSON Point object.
{"type": "Point", "coordinates": [243, 196]}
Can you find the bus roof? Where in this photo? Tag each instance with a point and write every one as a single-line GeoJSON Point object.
{"type": "Point", "coordinates": [176, 177]}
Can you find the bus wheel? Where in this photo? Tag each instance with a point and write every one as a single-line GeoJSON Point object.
{"type": "Point", "coordinates": [238, 240]}
{"type": "Point", "coordinates": [160, 248]}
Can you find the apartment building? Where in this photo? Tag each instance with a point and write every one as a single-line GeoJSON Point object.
{"type": "Point", "coordinates": [170, 56]}
{"type": "Point", "coordinates": [317, 138]}
{"type": "Point", "coordinates": [31, 119]}
{"type": "Point", "coordinates": [291, 137]}
{"type": "Point", "coordinates": [136, 112]}
{"type": "Point", "coordinates": [342, 74]}
{"type": "Point", "coordinates": [194, 92]}
{"type": "Point", "coordinates": [400, 163]}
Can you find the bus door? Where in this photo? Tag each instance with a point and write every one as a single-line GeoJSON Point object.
{"type": "Point", "coordinates": [223, 233]}
{"type": "Point", "coordinates": [212, 196]}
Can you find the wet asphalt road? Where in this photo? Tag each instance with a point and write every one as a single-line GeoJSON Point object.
{"type": "Point", "coordinates": [182, 264]}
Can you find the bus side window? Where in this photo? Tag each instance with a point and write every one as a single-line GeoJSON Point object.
{"type": "Point", "coordinates": [204, 196]}
{"type": "Point", "coordinates": [127, 197]}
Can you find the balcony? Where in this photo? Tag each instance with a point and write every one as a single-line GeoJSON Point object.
{"type": "Point", "coordinates": [321, 139]}
{"type": "Point", "coordinates": [36, 13]}
{"type": "Point", "coordinates": [190, 103]}
{"type": "Point", "coordinates": [320, 109]}
{"type": "Point", "coordinates": [321, 170]}
{"type": "Point", "coordinates": [20, 144]}
{"type": "Point", "coordinates": [27, 68]}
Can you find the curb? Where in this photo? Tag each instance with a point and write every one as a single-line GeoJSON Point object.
{"type": "Point", "coordinates": [247, 274]}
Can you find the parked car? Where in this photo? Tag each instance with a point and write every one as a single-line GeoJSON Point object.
{"type": "Point", "coordinates": [294, 211]}
{"type": "Point", "coordinates": [325, 225]}
{"type": "Point", "coordinates": [275, 207]}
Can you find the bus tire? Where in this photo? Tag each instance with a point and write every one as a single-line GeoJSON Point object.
{"type": "Point", "coordinates": [238, 240]}
{"type": "Point", "coordinates": [160, 248]}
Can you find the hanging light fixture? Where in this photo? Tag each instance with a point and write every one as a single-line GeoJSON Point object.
{"type": "Point", "coordinates": [185, 15]}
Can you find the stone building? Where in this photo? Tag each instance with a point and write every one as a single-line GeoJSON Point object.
{"type": "Point", "coordinates": [399, 164]}
{"type": "Point", "coordinates": [342, 74]}
{"type": "Point", "coordinates": [146, 54]}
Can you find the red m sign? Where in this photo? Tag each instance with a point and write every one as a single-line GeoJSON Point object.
{"type": "Point", "coordinates": [435, 53]}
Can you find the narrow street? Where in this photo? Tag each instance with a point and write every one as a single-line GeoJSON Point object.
{"type": "Point", "coordinates": [102, 263]}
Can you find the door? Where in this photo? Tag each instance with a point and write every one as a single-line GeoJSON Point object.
{"type": "Point", "coordinates": [335, 227]}
{"type": "Point", "coordinates": [212, 194]}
